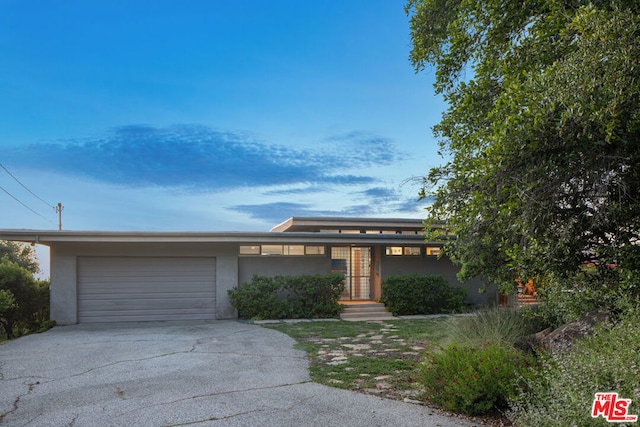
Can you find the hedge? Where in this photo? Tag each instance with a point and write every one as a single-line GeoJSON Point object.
{"type": "Point", "coordinates": [410, 294]}
{"type": "Point", "coordinates": [289, 297]}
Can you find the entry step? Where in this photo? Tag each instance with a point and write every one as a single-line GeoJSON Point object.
{"type": "Point", "coordinates": [365, 311]}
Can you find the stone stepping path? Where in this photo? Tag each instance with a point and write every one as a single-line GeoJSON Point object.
{"type": "Point", "coordinates": [376, 343]}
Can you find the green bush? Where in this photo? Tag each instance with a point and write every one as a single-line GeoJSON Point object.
{"type": "Point", "coordinates": [562, 300]}
{"type": "Point", "coordinates": [24, 301]}
{"type": "Point", "coordinates": [291, 297]}
{"type": "Point", "coordinates": [258, 299]}
{"type": "Point", "coordinates": [409, 294]}
{"type": "Point", "coordinates": [562, 392]}
{"type": "Point", "coordinates": [472, 380]}
{"type": "Point", "coordinates": [314, 295]}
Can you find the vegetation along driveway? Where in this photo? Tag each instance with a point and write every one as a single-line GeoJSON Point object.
{"type": "Point", "coordinates": [223, 373]}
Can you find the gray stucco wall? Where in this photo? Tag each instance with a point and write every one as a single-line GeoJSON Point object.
{"type": "Point", "coordinates": [226, 278]}
{"type": "Point", "coordinates": [64, 298]}
{"type": "Point", "coordinates": [281, 266]}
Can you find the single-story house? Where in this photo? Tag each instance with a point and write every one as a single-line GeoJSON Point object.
{"type": "Point", "coordinates": [107, 276]}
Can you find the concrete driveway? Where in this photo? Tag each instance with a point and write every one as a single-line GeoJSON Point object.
{"type": "Point", "coordinates": [222, 373]}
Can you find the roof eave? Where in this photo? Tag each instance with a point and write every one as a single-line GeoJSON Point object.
{"type": "Point", "coordinates": [48, 237]}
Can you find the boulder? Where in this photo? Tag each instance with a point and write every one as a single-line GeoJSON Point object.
{"type": "Point", "coordinates": [534, 341]}
{"type": "Point", "coordinates": [561, 340]}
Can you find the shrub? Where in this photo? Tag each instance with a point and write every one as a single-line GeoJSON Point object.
{"type": "Point", "coordinates": [290, 297]}
{"type": "Point", "coordinates": [258, 299]}
{"type": "Point", "coordinates": [562, 392]}
{"type": "Point", "coordinates": [566, 299]}
{"type": "Point", "coordinates": [496, 325]}
{"type": "Point", "coordinates": [7, 300]}
{"type": "Point", "coordinates": [24, 301]}
{"type": "Point", "coordinates": [419, 294]}
{"type": "Point", "coordinates": [314, 295]}
{"type": "Point", "coordinates": [474, 381]}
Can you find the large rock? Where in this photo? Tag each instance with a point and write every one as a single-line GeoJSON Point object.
{"type": "Point", "coordinates": [534, 341]}
{"type": "Point", "coordinates": [561, 340]}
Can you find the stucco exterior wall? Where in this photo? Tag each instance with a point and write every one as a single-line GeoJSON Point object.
{"type": "Point", "coordinates": [226, 278]}
{"type": "Point", "coordinates": [198, 249]}
{"type": "Point", "coordinates": [281, 266]}
{"type": "Point", "coordinates": [63, 290]}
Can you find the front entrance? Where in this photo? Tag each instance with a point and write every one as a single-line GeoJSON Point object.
{"type": "Point", "coordinates": [355, 264]}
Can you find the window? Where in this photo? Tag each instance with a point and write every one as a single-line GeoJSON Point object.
{"type": "Point", "coordinates": [394, 250]}
{"type": "Point", "coordinates": [293, 249]}
{"type": "Point", "coordinates": [403, 251]}
{"type": "Point", "coordinates": [288, 250]}
{"type": "Point", "coordinates": [271, 250]}
{"type": "Point", "coordinates": [250, 250]}
{"type": "Point", "coordinates": [433, 251]}
{"type": "Point", "coordinates": [412, 251]}
{"type": "Point", "coordinates": [314, 250]}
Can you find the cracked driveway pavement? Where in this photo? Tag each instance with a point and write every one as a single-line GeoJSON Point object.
{"type": "Point", "coordinates": [222, 373]}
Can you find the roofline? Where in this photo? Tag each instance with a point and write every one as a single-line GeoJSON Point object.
{"type": "Point", "coordinates": [49, 237]}
{"type": "Point", "coordinates": [351, 219]}
{"type": "Point", "coordinates": [346, 222]}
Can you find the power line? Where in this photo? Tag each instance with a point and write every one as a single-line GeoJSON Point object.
{"type": "Point", "coordinates": [25, 187]}
{"type": "Point", "coordinates": [18, 200]}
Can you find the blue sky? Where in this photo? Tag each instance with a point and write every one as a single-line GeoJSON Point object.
{"type": "Point", "coordinates": [209, 115]}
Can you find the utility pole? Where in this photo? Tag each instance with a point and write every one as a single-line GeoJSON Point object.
{"type": "Point", "coordinates": [59, 212]}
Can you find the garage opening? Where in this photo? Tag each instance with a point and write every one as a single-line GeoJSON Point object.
{"type": "Point", "coordinates": [132, 289]}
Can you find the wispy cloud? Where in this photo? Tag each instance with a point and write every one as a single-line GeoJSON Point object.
{"type": "Point", "coordinates": [366, 149]}
{"type": "Point", "coordinates": [380, 194]}
{"type": "Point", "coordinates": [279, 211]}
{"type": "Point", "coordinates": [202, 158]}
{"type": "Point", "coordinates": [304, 190]}
{"type": "Point", "coordinates": [259, 182]}
{"type": "Point", "coordinates": [276, 212]}
{"type": "Point", "coordinates": [412, 205]}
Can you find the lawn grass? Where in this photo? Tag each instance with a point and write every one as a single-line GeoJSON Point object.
{"type": "Point", "coordinates": [379, 358]}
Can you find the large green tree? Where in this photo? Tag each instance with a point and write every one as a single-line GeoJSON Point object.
{"type": "Point", "coordinates": [541, 137]}
{"type": "Point", "coordinates": [20, 253]}
{"type": "Point", "coordinates": [24, 300]}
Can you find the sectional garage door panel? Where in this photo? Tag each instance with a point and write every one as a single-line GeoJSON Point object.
{"type": "Point", "coordinates": [118, 289]}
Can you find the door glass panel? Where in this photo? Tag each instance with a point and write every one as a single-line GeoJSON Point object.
{"type": "Point", "coordinates": [355, 264]}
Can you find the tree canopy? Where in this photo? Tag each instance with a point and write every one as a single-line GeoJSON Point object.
{"type": "Point", "coordinates": [24, 301]}
{"type": "Point", "coordinates": [541, 137]}
{"type": "Point", "coordinates": [20, 253]}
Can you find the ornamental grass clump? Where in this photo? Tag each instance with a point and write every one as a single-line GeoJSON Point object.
{"type": "Point", "coordinates": [475, 381]}
{"type": "Point", "coordinates": [496, 325]}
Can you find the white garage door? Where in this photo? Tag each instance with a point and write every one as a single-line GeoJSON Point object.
{"type": "Point", "coordinates": [114, 289]}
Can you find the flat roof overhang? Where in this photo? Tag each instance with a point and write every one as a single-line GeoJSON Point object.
{"type": "Point", "coordinates": [315, 224]}
{"type": "Point", "coordinates": [50, 237]}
